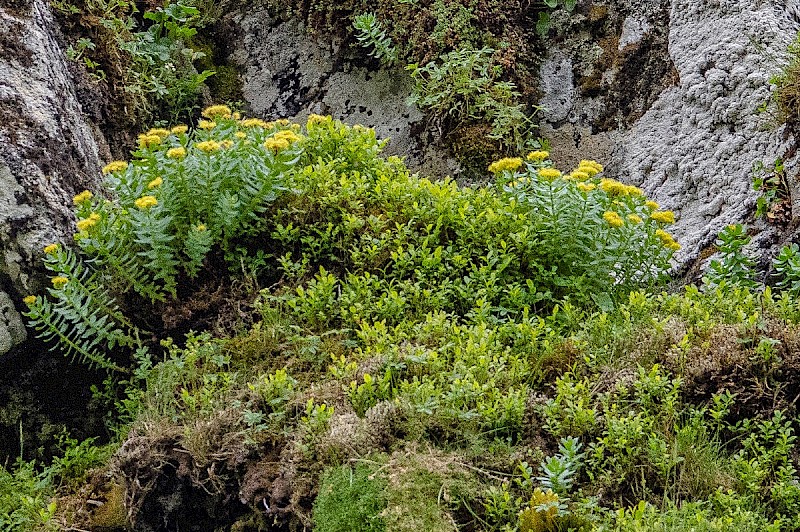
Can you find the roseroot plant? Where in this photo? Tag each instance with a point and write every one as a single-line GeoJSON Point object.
{"type": "Point", "coordinates": [734, 267]}
{"type": "Point", "coordinates": [162, 213]}
{"type": "Point", "coordinates": [371, 34]}
{"type": "Point", "coordinates": [597, 236]}
{"type": "Point", "coordinates": [787, 267]}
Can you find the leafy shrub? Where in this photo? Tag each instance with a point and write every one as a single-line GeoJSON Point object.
{"type": "Point", "coordinates": [734, 267]}
{"type": "Point", "coordinates": [25, 499]}
{"type": "Point", "coordinates": [786, 95]}
{"type": "Point", "coordinates": [371, 34]}
{"type": "Point", "coordinates": [787, 267]}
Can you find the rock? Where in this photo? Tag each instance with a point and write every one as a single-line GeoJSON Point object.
{"type": "Point", "coordinates": [49, 153]}
{"type": "Point", "coordinates": [685, 126]}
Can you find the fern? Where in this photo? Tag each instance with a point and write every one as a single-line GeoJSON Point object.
{"type": "Point", "coordinates": [371, 34]}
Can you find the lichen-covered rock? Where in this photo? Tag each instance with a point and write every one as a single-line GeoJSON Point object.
{"type": "Point", "coordinates": [685, 127]}
{"type": "Point", "coordinates": [48, 152]}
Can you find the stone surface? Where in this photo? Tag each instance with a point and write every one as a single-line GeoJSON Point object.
{"type": "Point", "coordinates": [49, 152]}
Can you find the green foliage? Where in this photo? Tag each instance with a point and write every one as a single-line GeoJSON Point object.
{"type": "Point", "coordinates": [558, 471]}
{"type": "Point", "coordinates": [466, 86]}
{"type": "Point", "coordinates": [786, 95]}
{"type": "Point", "coordinates": [787, 267]}
{"type": "Point", "coordinates": [25, 499]}
{"type": "Point", "coordinates": [734, 267]}
{"type": "Point", "coordinates": [371, 34]}
{"type": "Point", "coordinates": [350, 498]}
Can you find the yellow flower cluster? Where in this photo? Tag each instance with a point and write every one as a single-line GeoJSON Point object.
{"type": "Point", "coordinates": [664, 217]}
{"type": "Point", "coordinates": [635, 218]}
{"type": "Point", "coordinates": [146, 202]}
{"type": "Point", "coordinates": [590, 167]}
{"type": "Point", "coordinates": [227, 144]}
{"type": "Point", "coordinates": [281, 140]}
{"type": "Point", "coordinates": [612, 187]}
{"type": "Point", "coordinates": [586, 187]}
{"type": "Point", "coordinates": [201, 228]}
{"type": "Point", "coordinates": [59, 281]}
{"type": "Point", "coordinates": [29, 300]}
{"type": "Point", "coordinates": [83, 196]}
{"type": "Point", "coordinates": [549, 173]}
{"type": "Point", "coordinates": [667, 240]}
{"type": "Point", "coordinates": [206, 124]}
{"type": "Point", "coordinates": [51, 248]}
{"type": "Point", "coordinates": [217, 111]}
{"type": "Point", "coordinates": [652, 205]}
{"type": "Point", "coordinates": [180, 130]}
{"type": "Point", "coordinates": [509, 164]}
{"type": "Point", "coordinates": [241, 135]}
{"type": "Point", "coordinates": [254, 122]}
{"type": "Point", "coordinates": [538, 156]}
{"type": "Point", "coordinates": [157, 182]}
{"type": "Point", "coordinates": [578, 175]}
{"type": "Point", "coordinates": [88, 223]}
{"type": "Point", "coordinates": [613, 219]}
{"type": "Point", "coordinates": [115, 166]}
{"type": "Point", "coordinates": [207, 146]}
{"type": "Point", "coordinates": [158, 132]}
{"type": "Point", "coordinates": [176, 153]}
{"type": "Point", "coordinates": [313, 120]}
{"type": "Point", "coordinates": [148, 141]}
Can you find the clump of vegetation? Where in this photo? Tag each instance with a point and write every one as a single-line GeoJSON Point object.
{"type": "Point", "coordinates": [421, 355]}
{"type": "Point", "coordinates": [786, 95]}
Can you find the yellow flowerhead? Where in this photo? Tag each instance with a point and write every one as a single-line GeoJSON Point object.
{"type": "Point", "coordinates": [548, 173]}
{"type": "Point", "coordinates": [591, 170]}
{"type": "Point", "coordinates": [217, 111]}
{"type": "Point", "coordinates": [313, 120]}
{"type": "Point", "coordinates": [29, 300]}
{"type": "Point", "coordinates": [59, 281]}
{"type": "Point", "coordinates": [206, 124]}
{"type": "Point", "coordinates": [201, 228]}
{"type": "Point", "coordinates": [241, 135]}
{"type": "Point", "coordinates": [176, 153]}
{"type": "Point", "coordinates": [538, 156]}
{"type": "Point", "coordinates": [612, 187]}
{"type": "Point", "coordinates": [115, 166]}
{"type": "Point", "coordinates": [236, 115]}
{"type": "Point", "coordinates": [287, 135]}
{"type": "Point", "coordinates": [282, 121]}
{"type": "Point", "coordinates": [83, 196]}
{"type": "Point", "coordinates": [509, 164]}
{"type": "Point", "coordinates": [146, 202]}
{"type": "Point", "coordinates": [227, 144]}
{"type": "Point", "coordinates": [674, 246]}
{"type": "Point", "coordinates": [157, 182]}
{"type": "Point", "coordinates": [613, 219]}
{"type": "Point", "coordinates": [578, 175]}
{"type": "Point", "coordinates": [635, 218]}
{"type": "Point", "coordinates": [586, 187]}
{"type": "Point", "coordinates": [207, 146]}
{"type": "Point", "coordinates": [594, 164]}
{"type": "Point", "coordinates": [276, 145]}
{"type": "Point", "coordinates": [631, 190]}
{"type": "Point", "coordinates": [87, 223]}
{"type": "Point", "coordinates": [51, 248]}
{"type": "Point", "coordinates": [652, 205]}
{"type": "Point", "coordinates": [180, 130]}
{"type": "Point", "coordinates": [667, 240]}
{"type": "Point", "coordinates": [159, 132]}
{"type": "Point", "coordinates": [254, 122]}
{"type": "Point", "coordinates": [148, 141]}
{"type": "Point", "coordinates": [664, 217]}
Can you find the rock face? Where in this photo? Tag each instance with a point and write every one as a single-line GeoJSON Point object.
{"type": "Point", "coordinates": [48, 153]}
{"type": "Point", "coordinates": [691, 133]}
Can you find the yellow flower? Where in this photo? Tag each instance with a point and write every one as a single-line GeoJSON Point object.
{"type": "Point", "coordinates": [254, 122]}
{"type": "Point", "coordinates": [237, 115]}
{"type": "Point", "coordinates": [591, 170]}
{"type": "Point", "coordinates": [579, 175]}
{"type": "Point", "coordinates": [227, 144]}
{"type": "Point", "coordinates": [115, 166]}
{"type": "Point", "coordinates": [241, 135]}
{"type": "Point", "coordinates": [83, 196]}
{"type": "Point", "coordinates": [217, 111]}
{"type": "Point", "coordinates": [593, 164]}
{"type": "Point", "coordinates": [652, 205]}
{"type": "Point", "coordinates": [148, 141]}
{"type": "Point", "coordinates": [549, 173]}
{"type": "Point", "coordinates": [613, 219]}
{"type": "Point", "coordinates": [667, 240]}
{"type": "Point", "coordinates": [157, 182]}
{"type": "Point", "coordinates": [282, 121]}
{"type": "Point", "coordinates": [664, 217]}
{"type": "Point", "coordinates": [145, 202]}
{"type": "Point", "coordinates": [158, 132]}
{"type": "Point", "coordinates": [508, 164]}
{"type": "Point", "coordinates": [87, 223]}
{"type": "Point", "coordinates": [176, 153]}
{"type": "Point", "coordinates": [586, 187]}
{"type": "Point", "coordinates": [29, 300]}
{"type": "Point", "coordinates": [201, 227]}
{"type": "Point", "coordinates": [207, 146]}
{"type": "Point", "coordinates": [287, 135]}
{"type": "Point", "coordinates": [537, 156]}
{"type": "Point", "coordinates": [612, 187]}
{"type": "Point", "coordinates": [631, 190]}
{"type": "Point", "coordinates": [674, 246]}
{"type": "Point", "coordinates": [276, 145]}
{"type": "Point", "coordinates": [51, 248]}
{"type": "Point", "coordinates": [180, 130]}
{"type": "Point", "coordinates": [59, 281]}
{"type": "Point", "coordinates": [313, 120]}
{"type": "Point", "coordinates": [206, 124]}
{"type": "Point", "coordinates": [635, 218]}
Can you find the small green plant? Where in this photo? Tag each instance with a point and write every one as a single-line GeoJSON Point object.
{"type": "Point", "coordinates": [786, 95]}
{"type": "Point", "coordinates": [371, 34]}
{"type": "Point", "coordinates": [559, 471]}
{"type": "Point", "coordinates": [543, 22]}
{"type": "Point", "coordinates": [734, 267]}
{"type": "Point", "coordinates": [787, 268]}
{"type": "Point", "coordinates": [771, 182]}
{"type": "Point", "coordinates": [26, 499]}
{"type": "Point", "coordinates": [350, 498]}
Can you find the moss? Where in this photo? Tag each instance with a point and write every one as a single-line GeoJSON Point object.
{"type": "Point", "coordinates": [350, 498]}
{"type": "Point", "coordinates": [225, 85]}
